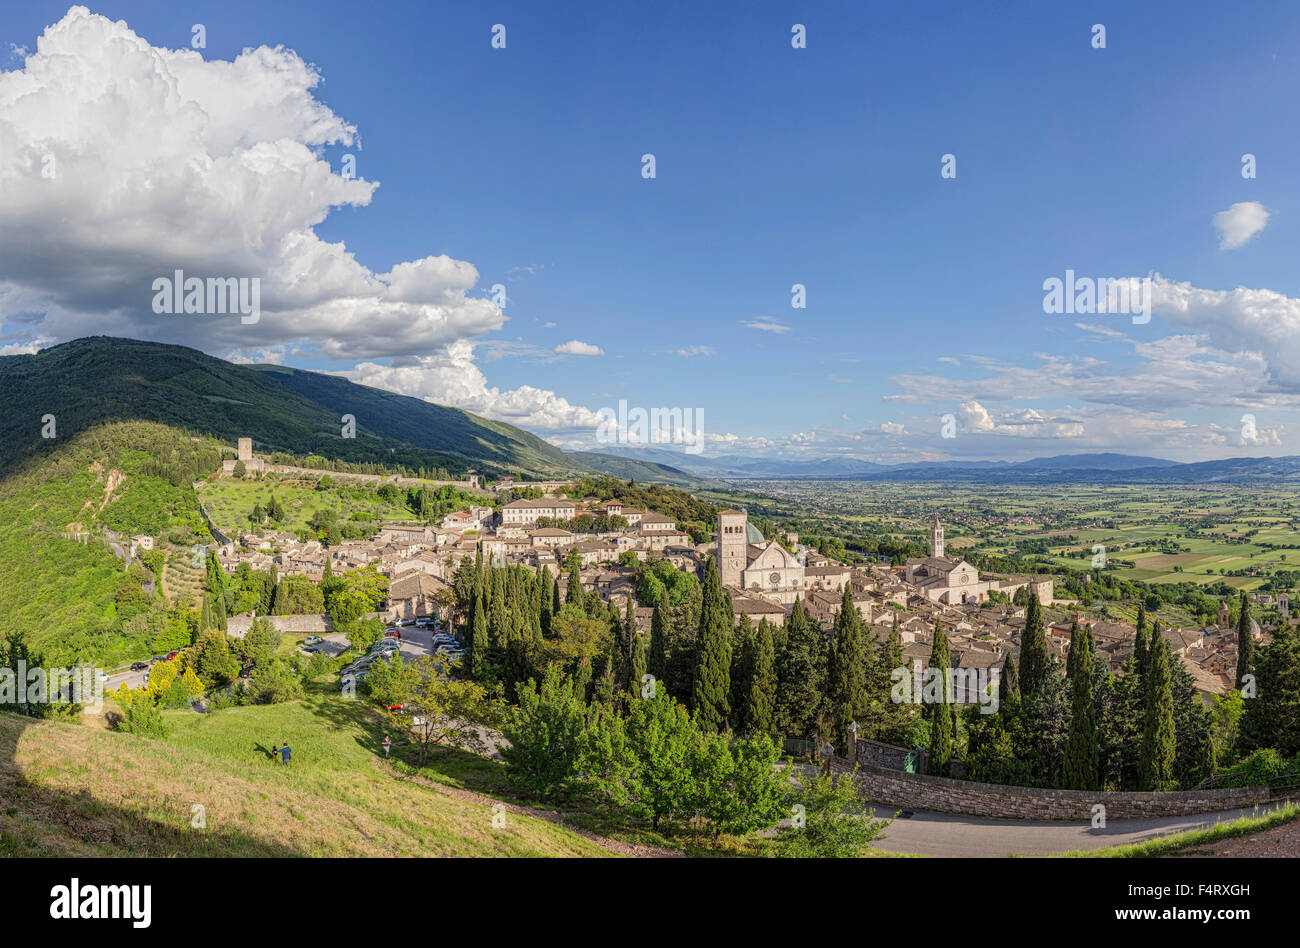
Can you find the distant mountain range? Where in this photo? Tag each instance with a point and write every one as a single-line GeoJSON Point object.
{"type": "Point", "coordinates": [1095, 468]}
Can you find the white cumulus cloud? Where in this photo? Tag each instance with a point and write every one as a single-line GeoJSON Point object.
{"type": "Point", "coordinates": [1239, 223]}
{"type": "Point", "coordinates": [577, 348]}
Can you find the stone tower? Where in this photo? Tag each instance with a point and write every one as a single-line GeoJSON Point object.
{"type": "Point", "coordinates": [1284, 605]}
{"type": "Point", "coordinates": [732, 546]}
{"type": "Point", "coordinates": [936, 539]}
{"type": "Point", "coordinates": [245, 449]}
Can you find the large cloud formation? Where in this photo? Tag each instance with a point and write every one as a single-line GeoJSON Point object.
{"type": "Point", "coordinates": [121, 162]}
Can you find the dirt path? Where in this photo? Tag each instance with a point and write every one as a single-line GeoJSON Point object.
{"type": "Point", "coordinates": [550, 816]}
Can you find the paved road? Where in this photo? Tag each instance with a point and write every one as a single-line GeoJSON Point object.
{"type": "Point", "coordinates": [132, 679]}
{"type": "Point", "coordinates": [945, 834]}
{"type": "Point", "coordinates": [415, 642]}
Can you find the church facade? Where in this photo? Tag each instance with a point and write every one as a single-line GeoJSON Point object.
{"type": "Point", "coordinates": [751, 564]}
{"type": "Point", "coordinates": [945, 579]}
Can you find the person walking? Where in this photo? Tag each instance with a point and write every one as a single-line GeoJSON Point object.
{"type": "Point", "coordinates": [388, 744]}
{"type": "Point", "coordinates": [284, 754]}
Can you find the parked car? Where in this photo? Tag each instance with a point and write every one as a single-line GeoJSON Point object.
{"type": "Point", "coordinates": [139, 666]}
{"type": "Point", "coordinates": [393, 634]}
{"type": "Point", "coordinates": [387, 645]}
{"type": "Point", "coordinates": [313, 640]}
{"type": "Point", "coordinates": [170, 655]}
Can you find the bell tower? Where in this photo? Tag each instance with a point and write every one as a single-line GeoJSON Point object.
{"type": "Point", "coordinates": [732, 546]}
{"type": "Point", "coordinates": [936, 539]}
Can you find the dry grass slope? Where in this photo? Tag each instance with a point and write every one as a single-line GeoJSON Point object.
{"type": "Point", "coordinates": [74, 790]}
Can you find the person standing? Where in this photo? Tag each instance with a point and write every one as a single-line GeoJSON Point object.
{"type": "Point", "coordinates": [388, 744]}
{"type": "Point", "coordinates": [284, 754]}
{"type": "Point", "coordinates": [275, 752]}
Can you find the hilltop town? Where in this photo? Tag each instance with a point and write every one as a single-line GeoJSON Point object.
{"type": "Point", "coordinates": [982, 613]}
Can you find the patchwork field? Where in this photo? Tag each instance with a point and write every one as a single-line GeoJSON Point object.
{"type": "Point", "coordinates": [1243, 537]}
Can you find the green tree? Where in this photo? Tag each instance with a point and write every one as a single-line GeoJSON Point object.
{"type": "Point", "coordinates": [1034, 656]}
{"type": "Point", "coordinates": [1245, 642]}
{"type": "Point", "coordinates": [710, 691]}
{"type": "Point", "coordinates": [801, 673]}
{"type": "Point", "coordinates": [1156, 763]}
{"type": "Point", "coordinates": [848, 669]}
{"type": "Point", "coordinates": [760, 705]}
{"type": "Point", "coordinates": [1082, 763]}
{"type": "Point", "coordinates": [940, 712]}
{"type": "Point", "coordinates": [1272, 717]}
{"type": "Point", "coordinates": [545, 734]}
{"type": "Point", "coordinates": [657, 662]}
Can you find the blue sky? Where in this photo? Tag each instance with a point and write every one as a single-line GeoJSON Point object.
{"type": "Point", "coordinates": [774, 166]}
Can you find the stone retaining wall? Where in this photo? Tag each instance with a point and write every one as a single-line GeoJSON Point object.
{"type": "Point", "coordinates": [322, 624]}
{"type": "Point", "coordinates": [894, 788]}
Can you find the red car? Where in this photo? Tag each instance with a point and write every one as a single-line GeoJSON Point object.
{"type": "Point", "coordinates": [393, 634]}
{"type": "Point", "coordinates": [170, 655]}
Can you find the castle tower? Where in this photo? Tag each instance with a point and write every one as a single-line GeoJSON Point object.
{"type": "Point", "coordinates": [245, 449]}
{"type": "Point", "coordinates": [936, 539]}
{"type": "Point", "coordinates": [1284, 604]}
{"type": "Point", "coordinates": [732, 546]}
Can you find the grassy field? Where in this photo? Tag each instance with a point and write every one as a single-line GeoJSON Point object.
{"type": "Point", "coordinates": [228, 502]}
{"type": "Point", "coordinates": [76, 789]}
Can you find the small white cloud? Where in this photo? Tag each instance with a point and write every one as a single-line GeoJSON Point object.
{"type": "Point", "coordinates": [1239, 223]}
{"type": "Point", "coordinates": [892, 427]}
{"type": "Point", "coordinates": [578, 348]}
{"type": "Point", "coordinates": [548, 325]}
{"type": "Point", "coordinates": [688, 351]}
{"type": "Point", "coordinates": [765, 324]}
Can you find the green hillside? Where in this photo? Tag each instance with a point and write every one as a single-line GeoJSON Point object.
{"type": "Point", "coordinates": [633, 469]}
{"type": "Point", "coordinates": [91, 381]}
{"type": "Point", "coordinates": [72, 789]}
{"type": "Point", "coordinates": [65, 590]}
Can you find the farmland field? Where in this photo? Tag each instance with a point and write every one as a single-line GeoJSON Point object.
{"type": "Point", "coordinates": [1243, 537]}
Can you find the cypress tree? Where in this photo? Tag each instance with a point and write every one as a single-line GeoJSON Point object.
{"type": "Point", "coordinates": [711, 687]}
{"type": "Point", "coordinates": [743, 644]}
{"type": "Point", "coordinates": [1272, 717]}
{"type": "Point", "coordinates": [1245, 642]}
{"type": "Point", "coordinates": [1008, 685]}
{"type": "Point", "coordinates": [801, 674]}
{"type": "Point", "coordinates": [1156, 763]}
{"type": "Point", "coordinates": [636, 664]}
{"type": "Point", "coordinates": [545, 593]}
{"type": "Point", "coordinates": [478, 640]}
{"type": "Point", "coordinates": [1034, 656]}
{"type": "Point", "coordinates": [574, 595]}
{"type": "Point", "coordinates": [1141, 644]}
{"type": "Point", "coordinates": [1081, 752]}
{"type": "Point", "coordinates": [760, 705]}
{"type": "Point", "coordinates": [940, 712]}
{"type": "Point", "coordinates": [657, 663]}
{"type": "Point", "coordinates": [848, 677]}
{"type": "Point", "coordinates": [582, 678]}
